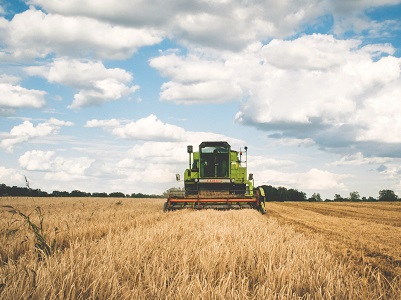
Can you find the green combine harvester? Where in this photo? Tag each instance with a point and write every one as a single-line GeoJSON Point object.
{"type": "Point", "coordinates": [216, 179]}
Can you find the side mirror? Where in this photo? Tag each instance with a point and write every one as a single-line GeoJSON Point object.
{"type": "Point", "coordinates": [250, 177]}
{"type": "Point", "coordinates": [177, 177]}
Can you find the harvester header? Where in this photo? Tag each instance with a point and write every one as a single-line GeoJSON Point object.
{"type": "Point", "coordinates": [216, 178]}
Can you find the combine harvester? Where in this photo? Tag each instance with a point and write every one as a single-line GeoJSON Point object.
{"type": "Point", "coordinates": [216, 179]}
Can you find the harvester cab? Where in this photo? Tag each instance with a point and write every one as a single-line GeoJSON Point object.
{"type": "Point", "coordinates": [217, 178]}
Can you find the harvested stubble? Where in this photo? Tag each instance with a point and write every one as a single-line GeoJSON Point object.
{"type": "Point", "coordinates": [134, 251]}
{"type": "Point", "coordinates": [368, 232]}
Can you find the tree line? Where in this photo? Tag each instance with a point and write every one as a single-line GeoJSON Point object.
{"type": "Point", "coordinates": [283, 194]}
{"type": "Point", "coordinates": [272, 194]}
{"type": "Point", "coordinates": [28, 192]}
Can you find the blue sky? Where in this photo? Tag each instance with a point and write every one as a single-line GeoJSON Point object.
{"type": "Point", "coordinates": [105, 96]}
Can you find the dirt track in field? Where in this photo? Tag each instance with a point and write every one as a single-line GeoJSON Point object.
{"type": "Point", "coordinates": [369, 233]}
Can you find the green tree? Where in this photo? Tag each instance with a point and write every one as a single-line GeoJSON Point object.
{"type": "Point", "coordinates": [354, 196]}
{"type": "Point", "coordinates": [387, 195]}
{"type": "Point", "coordinates": [77, 193]}
{"type": "Point", "coordinates": [337, 197]}
{"type": "Point", "coordinates": [295, 195]}
{"type": "Point", "coordinates": [101, 195]}
{"type": "Point", "coordinates": [271, 193]}
{"type": "Point", "coordinates": [316, 197]}
{"type": "Point", "coordinates": [117, 195]}
{"type": "Point", "coordinates": [282, 194]}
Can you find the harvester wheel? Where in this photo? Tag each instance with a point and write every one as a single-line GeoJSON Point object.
{"type": "Point", "coordinates": [165, 207]}
{"type": "Point", "coordinates": [262, 208]}
{"type": "Point", "coordinates": [262, 199]}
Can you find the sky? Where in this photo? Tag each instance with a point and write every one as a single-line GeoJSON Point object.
{"type": "Point", "coordinates": [104, 96]}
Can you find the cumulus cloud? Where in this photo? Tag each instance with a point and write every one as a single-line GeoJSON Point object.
{"type": "Point", "coordinates": [313, 180]}
{"type": "Point", "coordinates": [194, 80]}
{"type": "Point", "coordinates": [37, 160]}
{"type": "Point", "coordinates": [10, 176]}
{"type": "Point", "coordinates": [392, 171]}
{"type": "Point", "coordinates": [292, 142]}
{"type": "Point", "coordinates": [12, 95]}
{"type": "Point", "coordinates": [262, 162]}
{"type": "Point", "coordinates": [296, 89]}
{"type": "Point", "coordinates": [55, 34]}
{"type": "Point", "coordinates": [145, 129]}
{"type": "Point", "coordinates": [27, 131]}
{"type": "Point", "coordinates": [234, 24]}
{"type": "Point", "coordinates": [315, 88]}
{"type": "Point", "coordinates": [388, 167]}
{"type": "Point", "coordinates": [96, 83]}
{"type": "Point", "coordinates": [346, 7]}
{"type": "Point", "coordinates": [116, 29]}
{"type": "Point", "coordinates": [102, 123]}
{"type": "Point", "coordinates": [151, 128]}
{"type": "Point", "coordinates": [359, 159]}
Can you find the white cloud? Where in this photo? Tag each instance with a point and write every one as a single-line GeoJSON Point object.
{"type": "Point", "coordinates": [202, 92]}
{"type": "Point", "coordinates": [351, 16]}
{"type": "Point", "coordinates": [347, 7]}
{"type": "Point", "coordinates": [96, 83]}
{"type": "Point", "coordinates": [392, 171]}
{"type": "Point", "coordinates": [293, 142]}
{"type": "Point", "coordinates": [315, 88]}
{"type": "Point", "coordinates": [158, 152]}
{"type": "Point", "coordinates": [146, 129]}
{"type": "Point", "coordinates": [234, 24]}
{"type": "Point", "coordinates": [10, 79]}
{"type": "Point", "coordinates": [358, 159]}
{"type": "Point", "coordinates": [103, 123]}
{"type": "Point", "coordinates": [328, 84]}
{"type": "Point", "coordinates": [380, 116]}
{"type": "Point", "coordinates": [261, 162]}
{"type": "Point", "coordinates": [37, 160]}
{"type": "Point", "coordinates": [150, 128]}
{"type": "Point", "coordinates": [116, 29]}
{"type": "Point", "coordinates": [34, 33]}
{"type": "Point", "coordinates": [59, 123]}
{"type": "Point", "coordinates": [314, 180]}
{"type": "Point", "coordinates": [26, 131]}
{"type": "Point", "coordinates": [10, 176]}
{"type": "Point", "coordinates": [12, 95]}
{"type": "Point", "coordinates": [194, 80]}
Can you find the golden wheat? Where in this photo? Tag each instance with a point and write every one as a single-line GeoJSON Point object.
{"type": "Point", "coordinates": [132, 250]}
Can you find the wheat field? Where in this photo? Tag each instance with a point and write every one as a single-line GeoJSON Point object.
{"type": "Point", "coordinates": [102, 248]}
